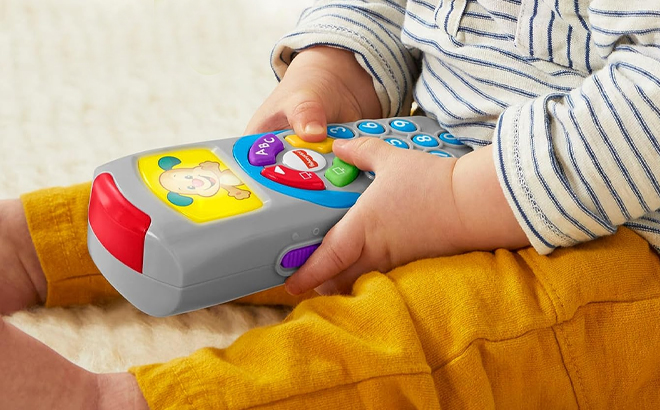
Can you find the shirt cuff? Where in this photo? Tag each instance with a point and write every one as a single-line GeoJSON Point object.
{"type": "Point", "coordinates": [381, 53]}
{"type": "Point", "coordinates": [516, 163]}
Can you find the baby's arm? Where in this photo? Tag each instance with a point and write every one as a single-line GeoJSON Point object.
{"type": "Point", "coordinates": [344, 61]}
{"type": "Point", "coordinates": [576, 164]}
{"type": "Point", "coordinates": [409, 212]}
{"type": "Point", "coordinates": [419, 206]}
{"type": "Point", "coordinates": [350, 63]}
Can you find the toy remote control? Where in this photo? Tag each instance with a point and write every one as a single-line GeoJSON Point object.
{"type": "Point", "coordinates": [187, 227]}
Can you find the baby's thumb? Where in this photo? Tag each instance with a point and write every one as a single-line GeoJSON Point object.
{"type": "Point", "coordinates": [307, 117]}
{"type": "Point", "coordinates": [365, 152]}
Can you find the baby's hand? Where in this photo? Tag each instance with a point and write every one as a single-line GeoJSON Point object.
{"type": "Point", "coordinates": [321, 85]}
{"type": "Point", "coordinates": [407, 213]}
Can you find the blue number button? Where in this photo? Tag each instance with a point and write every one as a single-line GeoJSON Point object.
{"type": "Point", "coordinates": [441, 153]}
{"type": "Point", "coordinates": [397, 143]}
{"type": "Point", "coordinates": [425, 141]}
{"type": "Point", "coordinates": [371, 127]}
{"type": "Point", "coordinates": [337, 131]}
{"type": "Point", "coordinates": [450, 139]}
{"type": "Point", "coordinates": [403, 125]}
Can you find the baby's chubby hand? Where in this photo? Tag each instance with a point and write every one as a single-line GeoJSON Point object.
{"type": "Point", "coordinates": [407, 213]}
{"type": "Point", "coordinates": [322, 84]}
{"type": "Point", "coordinates": [411, 210]}
{"type": "Point", "coordinates": [419, 206]}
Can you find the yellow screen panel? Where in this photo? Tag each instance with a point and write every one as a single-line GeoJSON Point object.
{"type": "Point", "coordinates": [195, 183]}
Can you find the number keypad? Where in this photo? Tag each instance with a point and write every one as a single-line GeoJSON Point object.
{"type": "Point", "coordinates": [405, 133]}
{"type": "Point", "coordinates": [285, 163]}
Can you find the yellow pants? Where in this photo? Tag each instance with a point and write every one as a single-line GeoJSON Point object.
{"type": "Point", "coordinates": [577, 328]}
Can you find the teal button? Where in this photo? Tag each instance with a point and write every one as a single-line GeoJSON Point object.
{"type": "Point", "coordinates": [441, 153]}
{"type": "Point", "coordinates": [450, 139]}
{"type": "Point", "coordinates": [371, 127]}
{"type": "Point", "coordinates": [338, 131]}
{"type": "Point", "coordinates": [425, 140]}
{"type": "Point", "coordinates": [403, 125]}
{"type": "Point", "coordinates": [397, 143]}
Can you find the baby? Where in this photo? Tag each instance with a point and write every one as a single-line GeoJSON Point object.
{"type": "Point", "coordinates": [523, 274]}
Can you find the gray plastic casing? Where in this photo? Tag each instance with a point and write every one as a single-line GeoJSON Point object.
{"type": "Point", "coordinates": [189, 265]}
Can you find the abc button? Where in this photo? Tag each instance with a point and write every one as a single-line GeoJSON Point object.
{"type": "Point", "coordinates": [264, 150]}
{"type": "Point", "coordinates": [304, 160]}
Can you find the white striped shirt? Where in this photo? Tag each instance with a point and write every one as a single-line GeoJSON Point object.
{"type": "Point", "coordinates": [567, 91]}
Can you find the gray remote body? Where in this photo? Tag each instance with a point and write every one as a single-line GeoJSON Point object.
{"type": "Point", "coordinates": [187, 227]}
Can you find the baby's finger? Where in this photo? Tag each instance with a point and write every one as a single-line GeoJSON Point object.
{"type": "Point", "coordinates": [341, 248]}
{"type": "Point", "coordinates": [265, 120]}
{"type": "Point", "coordinates": [306, 114]}
{"type": "Point", "coordinates": [343, 282]}
{"type": "Point", "coordinates": [364, 153]}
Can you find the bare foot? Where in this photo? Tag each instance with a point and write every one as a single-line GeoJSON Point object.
{"type": "Point", "coordinates": [22, 281]}
{"type": "Point", "coordinates": [35, 377]}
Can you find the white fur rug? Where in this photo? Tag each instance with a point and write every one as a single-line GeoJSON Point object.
{"type": "Point", "coordinates": [85, 81]}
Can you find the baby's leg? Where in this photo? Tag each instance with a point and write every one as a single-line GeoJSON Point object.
{"type": "Point", "coordinates": [57, 220]}
{"type": "Point", "coordinates": [575, 329]}
{"type": "Point", "coordinates": [20, 271]}
{"type": "Point", "coordinates": [483, 330]}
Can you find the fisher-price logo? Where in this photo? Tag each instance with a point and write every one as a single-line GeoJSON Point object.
{"type": "Point", "coordinates": [306, 158]}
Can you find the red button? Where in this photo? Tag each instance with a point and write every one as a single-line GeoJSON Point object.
{"type": "Point", "coordinates": [291, 177]}
{"type": "Point", "coordinates": [119, 225]}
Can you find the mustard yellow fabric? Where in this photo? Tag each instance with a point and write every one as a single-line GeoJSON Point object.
{"type": "Point", "coordinates": [57, 219]}
{"type": "Point", "coordinates": [579, 328]}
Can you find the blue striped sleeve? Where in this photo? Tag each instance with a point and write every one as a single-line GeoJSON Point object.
{"type": "Point", "coordinates": [614, 23]}
{"type": "Point", "coordinates": [576, 165]}
{"type": "Point", "coordinates": [369, 29]}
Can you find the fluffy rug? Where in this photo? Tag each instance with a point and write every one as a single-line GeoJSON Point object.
{"type": "Point", "coordinates": [85, 81]}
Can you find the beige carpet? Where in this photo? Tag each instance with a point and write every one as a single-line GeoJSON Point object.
{"type": "Point", "coordinates": [85, 81]}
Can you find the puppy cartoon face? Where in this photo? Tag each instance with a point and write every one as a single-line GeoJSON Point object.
{"type": "Point", "coordinates": [196, 184]}
{"type": "Point", "coordinates": [185, 182]}
{"type": "Point", "coordinates": [190, 181]}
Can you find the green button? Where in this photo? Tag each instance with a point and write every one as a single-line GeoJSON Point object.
{"type": "Point", "coordinates": [340, 173]}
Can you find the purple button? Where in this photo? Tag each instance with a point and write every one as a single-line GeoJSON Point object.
{"type": "Point", "coordinates": [295, 258]}
{"type": "Point", "coordinates": [264, 150]}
